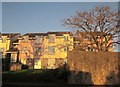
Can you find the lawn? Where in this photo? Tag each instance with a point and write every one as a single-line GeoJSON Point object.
{"type": "Point", "coordinates": [42, 76]}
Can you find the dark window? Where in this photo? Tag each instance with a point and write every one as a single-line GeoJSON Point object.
{"type": "Point", "coordinates": [65, 49]}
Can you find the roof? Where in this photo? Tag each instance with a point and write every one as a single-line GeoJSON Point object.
{"type": "Point", "coordinates": [10, 34]}
{"type": "Point", "coordinates": [60, 33]}
{"type": "Point", "coordinates": [13, 50]}
{"type": "Point", "coordinates": [16, 41]}
{"type": "Point", "coordinates": [34, 34]}
{"type": "Point", "coordinates": [45, 34]}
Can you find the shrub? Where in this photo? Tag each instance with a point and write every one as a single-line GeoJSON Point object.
{"type": "Point", "coordinates": [6, 64]}
{"type": "Point", "coordinates": [25, 67]}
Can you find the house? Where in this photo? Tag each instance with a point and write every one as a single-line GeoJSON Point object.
{"type": "Point", "coordinates": [45, 50]}
{"type": "Point", "coordinates": [6, 42]}
{"type": "Point", "coordinates": [6, 49]}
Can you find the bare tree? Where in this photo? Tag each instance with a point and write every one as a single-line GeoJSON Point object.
{"type": "Point", "coordinates": [96, 28]}
{"type": "Point", "coordinates": [33, 50]}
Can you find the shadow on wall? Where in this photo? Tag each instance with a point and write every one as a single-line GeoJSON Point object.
{"type": "Point", "coordinates": [112, 79]}
{"type": "Point", "coordinates": [81, 77]}
{"type": "Point", "coordinates": [75, 77]}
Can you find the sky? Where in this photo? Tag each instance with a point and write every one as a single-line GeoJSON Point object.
{"type": "Point", "coordinates": [27, 17]}
{"type": "Point", "coordinates": [24, 17]}
{"type": "Point", "coordinates": [60, 0]}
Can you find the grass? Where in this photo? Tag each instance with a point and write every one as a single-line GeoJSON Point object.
{"type": "Point", "coordinates": [35, 76]}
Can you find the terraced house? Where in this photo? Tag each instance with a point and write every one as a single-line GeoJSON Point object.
{"type": "Point", "coordinates": [44, 50]}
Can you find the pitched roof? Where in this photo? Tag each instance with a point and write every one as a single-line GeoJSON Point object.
{"type": "Point", "coordinates": [16, 41]}
{"type": "Point", "coordinates": [60, 33]}
{"type": "Point", "coordinates": [13, 50]}
{"type": "Point", "coordinates": [34, 34]}
{"type": "Point", "coordinates": [10, 34]}
{"type": "Point", "coordinates": [45, 34]}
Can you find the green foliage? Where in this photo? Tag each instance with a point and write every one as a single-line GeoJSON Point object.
{"type": "Point", "coordinates": [63, 72]}
{"type": "Point", "coordinates": [43, 76]}
{"type": "Point", "coordinates": [6, 63]}
{"type": "Point", "coordinates": [25, 67]}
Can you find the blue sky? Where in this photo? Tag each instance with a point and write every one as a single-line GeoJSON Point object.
{"type": "Point", "coordinates": [26, 17]}
{"type": "Point", "coordinates": [60, 0]}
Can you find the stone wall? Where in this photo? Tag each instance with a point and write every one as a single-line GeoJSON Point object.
{"type": "Point", "coordinates": [99, 68]}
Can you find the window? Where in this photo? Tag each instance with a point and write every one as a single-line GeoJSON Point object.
{"type": "Point", "coordinates": [51, 39]}
{"type": "Point", "coordinates": [39, 39]}
{"type": "Point", "coordinates": [65, 49]}
{"type": "Point", "coordinates": [65, 38]}
{"type": "Point", "coordinates": [51, 50]}
{"type": "Point", "coordinates": [13, 58]}
{"type": "Point", "coordinates": [3, 40]}
{"type": "Point", "coordinates": [39, 49]}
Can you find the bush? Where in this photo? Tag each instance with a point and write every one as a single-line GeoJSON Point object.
{"type": "Point", "coordinates": [25, 67]}
{"type": "Point", "coordinates": [63, 72]}
{"type": "Point", "coordinates": [6, 64]}
{"type": "Point", "coordinates": [44, 76]}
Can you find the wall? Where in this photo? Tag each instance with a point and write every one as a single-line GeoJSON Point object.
{"type": "Point", "coordinates": [5, 45]}
{"type": "Point", "coordinates": [59, 50]}
{"type": "Point", "coordinates": [89, 67]}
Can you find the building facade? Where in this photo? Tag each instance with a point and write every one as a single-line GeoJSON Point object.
{"type": "Point", "coordinates": [41, 50]}
{"type": "Point", "coordinates": [45, 50]}
{"type": "Point", "coordinates": [6, 42]}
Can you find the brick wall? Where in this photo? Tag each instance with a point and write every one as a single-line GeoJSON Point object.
{"type": "Point", "coordinates": [97, 68]}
